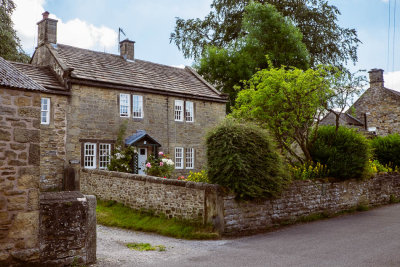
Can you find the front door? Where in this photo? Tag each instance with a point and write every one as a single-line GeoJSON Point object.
{"type": "Point", "coordinates": [142, 159]}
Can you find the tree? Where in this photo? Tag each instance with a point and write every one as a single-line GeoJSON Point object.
{"type": "Point", "coordinates": [268, 33]}
{"type": "Point", "coordinates": [10, 47]}
{"type": "Point", "coordinates": [326, 41]}
{"type": "Point", "coordinates": [289, 102]}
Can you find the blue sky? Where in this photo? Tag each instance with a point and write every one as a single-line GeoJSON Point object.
{"type": "Point", "coordinates": [94, 25]}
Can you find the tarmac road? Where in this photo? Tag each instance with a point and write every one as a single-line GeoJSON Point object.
{"type": "Point", "coordinates": [370, 238]}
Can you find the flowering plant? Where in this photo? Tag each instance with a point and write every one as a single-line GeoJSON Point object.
{"type": "Point", "coordinates": [121, 159]}
{"type": "Point", "coordinates": [161, 166]}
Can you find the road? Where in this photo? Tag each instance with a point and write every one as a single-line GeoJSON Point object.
{"type": "Point", "coordinates": [370, 238]}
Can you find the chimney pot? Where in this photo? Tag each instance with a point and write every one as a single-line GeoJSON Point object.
{"type": "Point", "coordinates": [127, 49]}
{"type": "Point", "coordinates": [45, 15]}
{"type": "Point", "coordinates": [376, 78]}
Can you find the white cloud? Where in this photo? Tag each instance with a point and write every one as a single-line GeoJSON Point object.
{"type": "Point", "coordinates": [392, 80]}
{"type": "Point", "coordinates": [74, 32]}
{"type": "Point", "coordinates": [180, 66]}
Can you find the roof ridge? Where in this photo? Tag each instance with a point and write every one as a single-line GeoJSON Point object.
{"type": "Point", "coordinates": [198, 76]}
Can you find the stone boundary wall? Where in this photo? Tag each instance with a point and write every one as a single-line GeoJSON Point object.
{"type": "Point", "coordinates": [209, 203]}
{"type": "Point", "coordinates": [67, 228]}
{"type": "Point", "coordinates": [304, 198]}
{"type": "Point", "coordinates": [174, 198]}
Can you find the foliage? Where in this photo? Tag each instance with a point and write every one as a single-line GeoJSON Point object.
{"type": "Point", "coordinates": [242, 157]}
{"type": "Point", "coordinates": [199, 177]}
{"type": "Point", "coordinates": [288, 102]}
{"type": "Point", "coordinates": [122, 157]}
{"type": "Point", "coordinates": [145, 247]}
{"type": "Point", "coordinates": [10, 47]}
{"type": "Point", "coordinates": [308, 171]}
{"type": "Point", "coordinates": [268, 33]}
{"type": "Point", "coordinates": [114, 214]}
{"type": "Point", "coordinates": [325, 40]}
{"type": "Point", "coordinates": [344, 151]}
{"type": "Point", "coordinates": [161, 166]}
{"type": "Point", "coordinates": [387, 149]}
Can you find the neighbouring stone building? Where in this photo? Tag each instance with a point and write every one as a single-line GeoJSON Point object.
{"type": "Point", "coordinates": [166, 108]}
{"type": "Point", "coordinates": [376, 111]}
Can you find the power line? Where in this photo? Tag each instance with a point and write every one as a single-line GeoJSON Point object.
{"type": "Point", "coordinates": [388, 41]}
{"type": "Point", "coordinates": [394, 32]}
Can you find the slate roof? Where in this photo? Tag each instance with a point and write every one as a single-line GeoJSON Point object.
{"type": "Point", "coordinates": [110, 68]}
{"type": "Point", "coordinates": [139, 135]}
{"type": "Point", "coordinates": [351, 120]}
{"type": "Point", "coordinates": [11, 77]}
{"type": "Point", "coordinates": [43, 75]}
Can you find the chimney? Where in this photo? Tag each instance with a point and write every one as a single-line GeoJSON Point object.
{"type": "Point", "coordinates": [127, 49]}
{"type": "Point", "coordinates": [376, 78]}
{"type": "Point", "coordinates": [47, 30]}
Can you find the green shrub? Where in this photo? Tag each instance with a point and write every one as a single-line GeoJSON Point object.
{"type": "Point", "coordinates": [242, 157]}
{"type": "Point", "coordinates": [200, 177]}
{"type": "Point", "coordinates": [345, 152]}
{"type": "Point", "coordinates": [387, 150]}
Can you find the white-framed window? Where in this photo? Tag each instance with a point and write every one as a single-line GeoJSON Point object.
{"type": "Point", "coordinates": [45, 111]}
{"type": "Point", "coordinates": [178, 157]}
{"type": "Point", "coordinates": [189, 111]}
{"type": "Point", "coordinates": [178, 110]}
{"type": "Point", "coordinates": [124, 105]}
{"type": "Point", "coordinates": [89, 155]}
{"type": "Point", "coordinates": [137, 106]}
{"type": "Point", "coordinates": [104, 155]}
{"type": "Point", "coordinates": [189, 153]}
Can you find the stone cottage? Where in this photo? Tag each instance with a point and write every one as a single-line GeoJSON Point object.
{"type": "Point", "coordinates": [377, 110]}
{"type": "Point", "coordinates": [166, 108]}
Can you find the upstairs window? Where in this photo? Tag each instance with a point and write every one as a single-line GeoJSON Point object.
{"type": "Point", "coordinates": [137, 106]}
{"type": "Point", "coordinates": [178, 110]}
{"type": "Point", "coordinates": [189, 158]}
{"type": "Point", "coordinates": [104, 155]}
{"type": "Point", "coordinates": [189, 114]}
{"type": "Point", "coordinates": [89, 155]}
{"type": "Point", "coordinates": [124, 105]}
{"type": "Point", "coordinates": [45, 111]}
{"type": "Point", "coordinates": [178, 157]}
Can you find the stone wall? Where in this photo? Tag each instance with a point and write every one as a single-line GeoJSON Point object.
{"type": "Point", "coordinates": [94, 114]}
{"type": "Point", "coordinates": [53, 143]}
{"type": "Point", "coordinates": [174, 198]}
{"type": "Point", "coordinates": [19, 176]}
{"type": "Point", "coordinates": [304, 198]}
{"type": "Point", "coordinates": [67, 228]}
{"type": "Point", "coordinates": [199, 201]}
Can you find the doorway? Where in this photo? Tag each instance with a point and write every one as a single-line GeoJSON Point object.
{"type": "Point", "coordinates": [142, 159]}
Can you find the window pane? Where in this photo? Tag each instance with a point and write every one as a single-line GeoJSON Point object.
{"type": "Point", "coordinates": [45, 111]}
{"type": "Point", "coordinates": [137, 105]}
{"type": "Point", "coordinates": [178, 110]}
{"type": "Point", "coordinates": [178, 158]}
{"type": "Point", "coordinates": [189, 158]}
{"type": "Point", "coordinates": [124, 105]}
{"type": "Point", "coordinates": [104, 155]}
{"type": "Point", "coordinates": [189, 111]}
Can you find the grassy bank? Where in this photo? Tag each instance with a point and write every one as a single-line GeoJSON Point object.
{"type": "Point", "coordinates": [110, 213]}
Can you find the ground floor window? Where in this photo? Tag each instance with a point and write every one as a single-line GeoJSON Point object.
{"type": "Point", "coordinates": [182, 154]}
{"type": "Point", "coordinates": [96, 154]}
{"type": "Point", "coordinates": [189, 158]}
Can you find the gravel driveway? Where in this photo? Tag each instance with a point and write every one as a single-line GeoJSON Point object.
{"type": "Point", "coordinates": [370, 238]}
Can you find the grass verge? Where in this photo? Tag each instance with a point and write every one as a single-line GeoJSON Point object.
{"type": "Point", "coordinates": [145, 247]}
{"type": "Point", "coordinates": [111, 213]}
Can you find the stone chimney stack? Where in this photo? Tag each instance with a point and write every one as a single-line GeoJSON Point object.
{"type": "Point", "coordinates": [47, 30]}
{"type": "Point", "coordinates": [376, 78]}
{"type": "Point", "coordinates": [127, 49]}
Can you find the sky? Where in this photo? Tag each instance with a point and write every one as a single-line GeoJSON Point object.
{"type": "Point", "coordinates": [93, 24]}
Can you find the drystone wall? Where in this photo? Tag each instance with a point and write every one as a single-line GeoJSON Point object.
{"type": "Point", "coordinates": [304, 198]}
{"type": "Point", "coordinates": [19, 176]}
{"type": "Point", "coordinates": [67, 228]}
{"type": "Point", "coordinates": [210, 204]}
{"type": "Point", "coordinates": [174, 198]}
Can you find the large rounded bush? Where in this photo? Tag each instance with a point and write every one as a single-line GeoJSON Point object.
{"type": "Point", "coordinates": [242, 157]}
{"type": "Point", "coordinates": [345, 152]}
{"type": "Point", "coordinates": [387, 149]}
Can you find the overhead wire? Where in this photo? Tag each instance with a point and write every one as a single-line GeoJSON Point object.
{"type": "Point", "coordinates": [394, 33]}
